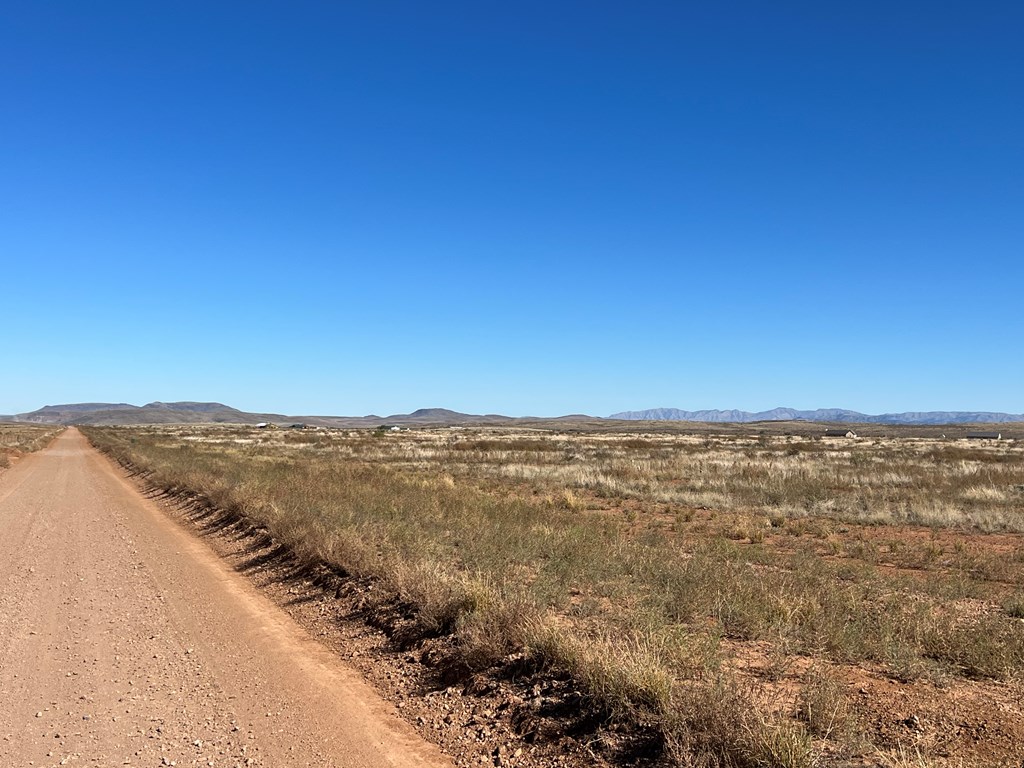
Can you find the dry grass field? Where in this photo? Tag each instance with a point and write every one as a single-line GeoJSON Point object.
{"type": "Point", "coordinates": [18, 439]}
{"type": "Point", "coordinates": [758, 600]}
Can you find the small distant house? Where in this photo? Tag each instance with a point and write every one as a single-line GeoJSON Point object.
{"type": "Point", "coordinates": [262, 425]}
{"type": "Point", "coordinates": [984, 436]}
{"type": "Point", "coordinates": [840, 432]}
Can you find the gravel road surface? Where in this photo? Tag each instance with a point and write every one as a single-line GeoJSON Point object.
{"type": "Point", "coordinates": [125, 641]}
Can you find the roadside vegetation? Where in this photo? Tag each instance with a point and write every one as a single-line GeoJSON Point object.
{"type": "Point", "coordinates": [18, 439]}
{"type": "Point", "coordinates": [737, 594]}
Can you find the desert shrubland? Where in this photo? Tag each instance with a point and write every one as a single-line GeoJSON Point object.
{"type": "Point", "coordinates": [18, 439]}
{"type": "Point", "coordinates": [680, 579]}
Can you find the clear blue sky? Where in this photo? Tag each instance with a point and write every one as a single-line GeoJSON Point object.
{"type": "Point", "coordinates": [525, 208]}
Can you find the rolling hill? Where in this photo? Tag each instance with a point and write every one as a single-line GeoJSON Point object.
{"type": "Point", "coordinates": [151, 413]}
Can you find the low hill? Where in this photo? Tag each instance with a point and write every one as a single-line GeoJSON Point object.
{"type": "Point", "coordinates": [424, 417]}
{"type": "Point", "coordinates": [151, 413]}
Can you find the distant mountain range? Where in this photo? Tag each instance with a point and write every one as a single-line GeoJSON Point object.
{"type": "Point", "coordinates": [821, 414]}
{"type": "Point", "coordinates": [218, 413]}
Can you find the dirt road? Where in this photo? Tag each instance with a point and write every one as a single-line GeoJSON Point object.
{"type": "Point", "coordinates": [125, 641]}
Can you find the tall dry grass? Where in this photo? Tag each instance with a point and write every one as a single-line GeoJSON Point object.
{"type": "Point", "coordinates": [492, 537]}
